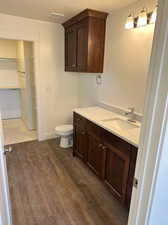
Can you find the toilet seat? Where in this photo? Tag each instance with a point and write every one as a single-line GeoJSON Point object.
{"type": "Point", "coordinates": [64, 130]}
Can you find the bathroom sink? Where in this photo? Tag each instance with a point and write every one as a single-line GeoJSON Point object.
{"type": "Point", "coordinates": [120, 124]}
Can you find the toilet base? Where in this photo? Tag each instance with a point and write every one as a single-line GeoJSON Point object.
{"type": "Point", "coordinates": [66, 142]}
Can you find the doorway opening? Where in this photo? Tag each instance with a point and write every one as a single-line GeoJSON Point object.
{"type": "Point", "coordinates": [17, 91]}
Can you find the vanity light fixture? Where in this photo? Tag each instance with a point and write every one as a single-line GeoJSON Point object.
{"type": "Point", "coordinates": [142, 18]}
{"type": "Point", "coordinates": [153, 16]}
{"type": "Point", "coordinates": [130, 22]}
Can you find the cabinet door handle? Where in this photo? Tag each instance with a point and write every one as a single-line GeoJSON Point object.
{"type": "Point", "coordinates": [9, 149]}
{"type": "Point", "coordinates": [104, 147]}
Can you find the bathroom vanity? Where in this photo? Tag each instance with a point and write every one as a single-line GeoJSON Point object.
{"type": "Point", "coordinates": [109, 153]}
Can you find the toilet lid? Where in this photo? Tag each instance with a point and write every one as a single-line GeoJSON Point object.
{"type": "Point", "coordinates": [64, 128]}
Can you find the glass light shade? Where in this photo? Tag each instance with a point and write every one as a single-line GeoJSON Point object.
{"type": "Point", "coordinates": [130, 22]}
{"type": "Point", "coordinates": [153, 16]}
{"type": "Point", "coordinates": [142, 19]}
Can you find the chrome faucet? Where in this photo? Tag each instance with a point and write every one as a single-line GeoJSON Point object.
{"type": "Point", "coordinates": [131, 114]}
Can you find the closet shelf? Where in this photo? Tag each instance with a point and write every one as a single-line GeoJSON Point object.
{"type": "Point", "coordinates": [7, 59]}
{"type": "Point", "coordinates": [9, 87]}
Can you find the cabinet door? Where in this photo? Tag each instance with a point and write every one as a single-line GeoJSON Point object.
{"type": "Point", "coordinates": [80, 148]}
{"type": "Point", "coordinates": [116, 172]}
{"type": "Point", "coordinates": [70, 49]}
{"type": "Point", "coordinates": [96, 155]}
{"type": "Point", "coordinates": [82, 46]}
{"type": "Point", "coordinates": [133, 159]}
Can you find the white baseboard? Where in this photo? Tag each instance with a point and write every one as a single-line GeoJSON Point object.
{"type": "Point", "coordinates": [47, 136]}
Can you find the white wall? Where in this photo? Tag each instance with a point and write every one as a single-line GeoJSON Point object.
{"type": "Point", "coordinates": [56, 90]}
{"type": "Point", "coordinates": [127, 54]}
{"type": "Point", "coordinates": [87, 90]}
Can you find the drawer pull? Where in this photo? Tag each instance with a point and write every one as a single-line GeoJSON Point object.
{"type": "Point", "coordinates": [104, 147]}
{"type": "Point", "coordinates": [100, 145]}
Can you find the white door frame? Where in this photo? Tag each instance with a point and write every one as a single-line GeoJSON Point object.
{"type": "Point", "coordinates": [154, 123]}
{"type": "Point", "coordinates": [5, 204]}
{"type": "Point", "coordinates": [35, 39]}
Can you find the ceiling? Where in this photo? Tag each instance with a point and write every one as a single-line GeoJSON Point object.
{"type": "Point", "coordinates": [40, 9]}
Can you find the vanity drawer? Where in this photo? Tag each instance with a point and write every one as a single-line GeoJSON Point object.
{"type": "Point", "coordinates": [117, 142]}
{"type": "Point", "coordinates": [93, 128]}
{"type": "Point", "coordinates": [79, 121]}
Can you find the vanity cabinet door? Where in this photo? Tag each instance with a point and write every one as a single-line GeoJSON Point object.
{"type": "Point", "coordinates": [70, 49]}
{"type": "Point", "coordinates": [117, 171]}
{"type": "Point", "coordinates": [133, 159]}
{"type": "Point", "coordinates": [96, 155]}
{"type": "Point", "coordinates": [80, 137]}
{"type": "Point", "coordinates": [80, 145]}
{"type": "Point", "coordinates": [82, 45]}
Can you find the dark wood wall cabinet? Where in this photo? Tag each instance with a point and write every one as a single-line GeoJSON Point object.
{"type": "Point", "coordinates": [84, 42]}
{"type": "Point", "coordinates": [112, 159]}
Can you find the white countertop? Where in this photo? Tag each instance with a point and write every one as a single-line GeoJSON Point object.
{"type": "Point", "coordinates": [98, 116]}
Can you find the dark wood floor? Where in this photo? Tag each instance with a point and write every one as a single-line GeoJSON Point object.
{"type": "Point", "coordinates": [50, 187]}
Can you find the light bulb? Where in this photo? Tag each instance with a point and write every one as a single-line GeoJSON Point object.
{"type": "Point", "coordinates": [142, 19]}
{"type": "Point", "coordinates": [130, 22]}
{"type": "Point", "coordinates": [153, 16]}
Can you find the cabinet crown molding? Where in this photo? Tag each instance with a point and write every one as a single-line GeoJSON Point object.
{"type": "Point", "coordinates": [83, 15]}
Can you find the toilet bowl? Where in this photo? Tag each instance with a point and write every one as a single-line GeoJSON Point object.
{"type": "Point", "coordinates": [66, 134]}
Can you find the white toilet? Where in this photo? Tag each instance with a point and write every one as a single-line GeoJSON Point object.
{"type": "Point", "coordinates": [66, 134]}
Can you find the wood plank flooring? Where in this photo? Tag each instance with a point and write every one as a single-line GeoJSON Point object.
{"type": "Point", "coordinates": [50, 187]}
